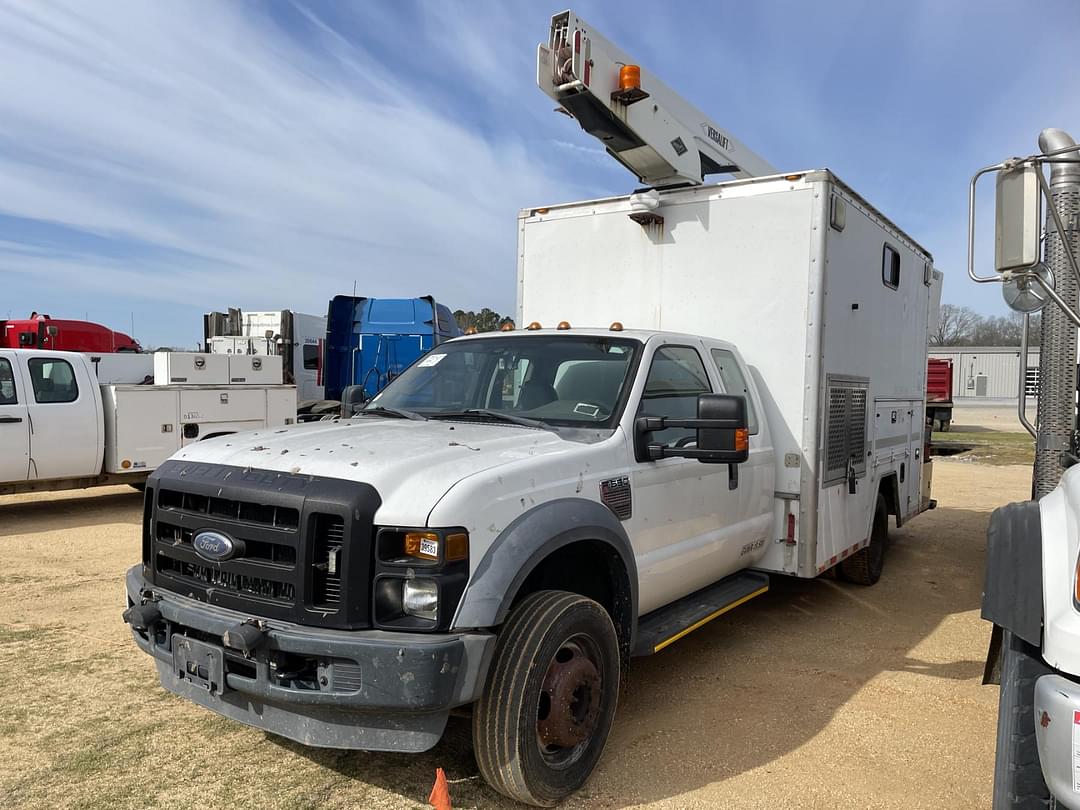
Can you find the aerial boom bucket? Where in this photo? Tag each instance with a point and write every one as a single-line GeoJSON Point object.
{"type": "Point", "coordinates": [655, 133]}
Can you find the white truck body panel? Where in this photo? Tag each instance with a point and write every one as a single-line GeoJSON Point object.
{"type": "Point", "coordinates": [62, 429]}
{"type": "Point", "coordinates": [756, 262]}
{"type": "Point", "coordinates": [190, 368]}
{"type": "Point", "coordinates": [247, 369]}
{"type": "Point", "coordinates": [123, 367]}
{"type": "Point", "coordinates": [145, 425]}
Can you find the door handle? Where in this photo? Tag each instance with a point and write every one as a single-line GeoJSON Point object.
{"type": "Point", "coordinates": [10, 419]}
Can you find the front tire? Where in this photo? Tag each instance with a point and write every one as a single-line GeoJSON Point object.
{"type": "Point", "coordinates": [1018, 779]}
{"type": "Point", "coordinates": [864, 567]}
{"type": "Point", "coordinates": [542, 722]}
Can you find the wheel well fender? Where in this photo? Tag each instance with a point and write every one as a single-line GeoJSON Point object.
{"type": "Point", "coordinates": [889, 488]}
{"type": "Point", "coordinates": [1013, 588]}
{"type": "Point", "coordinates": [539, 535]}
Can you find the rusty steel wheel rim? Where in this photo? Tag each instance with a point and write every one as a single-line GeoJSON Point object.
{"type": "Point", "coordinates": [568, 709]}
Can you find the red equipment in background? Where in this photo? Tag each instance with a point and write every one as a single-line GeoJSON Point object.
{"type": "Point", "coordinates": [939, 392]}
{"type": "Point", "coordinates": [43, 332]}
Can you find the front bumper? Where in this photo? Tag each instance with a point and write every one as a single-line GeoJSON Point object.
{"type": "Point", "coordinates": [363, 689]}
{"type": "Point", "coordinates": [1057, 732]}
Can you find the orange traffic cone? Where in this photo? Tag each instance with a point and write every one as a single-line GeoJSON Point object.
{"type": "Point", "coordinates": [440, 792]}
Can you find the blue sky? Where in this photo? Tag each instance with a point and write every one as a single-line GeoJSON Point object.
{"type": "Point", "coordinates": [164, 159]}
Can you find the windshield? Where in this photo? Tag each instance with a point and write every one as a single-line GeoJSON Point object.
{"type": "Point", "coordinates": [563, 380]}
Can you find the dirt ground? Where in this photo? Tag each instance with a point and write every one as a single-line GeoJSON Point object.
{"type": "Point", "coordinates": [817, 695]}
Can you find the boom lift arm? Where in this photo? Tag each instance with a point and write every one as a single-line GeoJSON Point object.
{"type": "Point", "coordinates": [644, 124]}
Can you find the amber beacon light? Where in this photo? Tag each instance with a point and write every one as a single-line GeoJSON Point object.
{"type": "Point", "coordinates": [629, 77]}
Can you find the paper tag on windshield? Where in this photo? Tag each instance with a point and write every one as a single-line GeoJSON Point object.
{"type": "Point", "coordinates": [431, 360]}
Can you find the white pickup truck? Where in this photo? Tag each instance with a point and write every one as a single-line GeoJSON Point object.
{"type": "Point", "coordinates": [62, 426]}
{"type": "Point", "coordinates": [520, 513]}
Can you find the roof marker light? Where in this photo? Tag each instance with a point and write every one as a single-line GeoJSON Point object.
{"type": "Point", "coordinates": [563, 325]}
{"type": "Point", "coordinates": [507, 327]}
{"type": "Point", "coordinates": [616, 326]}
{"type": "Point", "coordinates": [532, 327]}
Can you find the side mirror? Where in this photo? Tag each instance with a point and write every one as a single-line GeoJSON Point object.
{"type": "Point", "coordinates": [1018, 220]}
{"type": "Point", "coordinates": [352, 400]}
{"type": "Point", "coordinates": [723, 436]}
{"type": "Point", "coordinates": [729, 441]}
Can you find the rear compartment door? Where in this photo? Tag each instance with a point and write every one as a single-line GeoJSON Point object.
{"type": "Point", "coordinates": [14, 423]}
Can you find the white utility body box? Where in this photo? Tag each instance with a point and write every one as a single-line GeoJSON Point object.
{"type": "Point", "coordinates": [191, 368]}
{"type": "Point", "coordinates": [827, 300]}
{"type": "Point", "coordinates": [144, 425]}
{"type": "Point", "coordinates": [254, 369]}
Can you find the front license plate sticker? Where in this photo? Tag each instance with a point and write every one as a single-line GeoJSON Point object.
{"type": "Point", "coordinates": [199, 664]}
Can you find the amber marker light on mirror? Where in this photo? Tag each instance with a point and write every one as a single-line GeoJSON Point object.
{"type": "Point", "coordinates": [742, 440]}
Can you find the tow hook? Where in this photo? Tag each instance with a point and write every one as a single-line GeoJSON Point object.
{"type": "Point", "coordinates": [245, 637]}
{"type": "Point", "coordinates": [142, 617]}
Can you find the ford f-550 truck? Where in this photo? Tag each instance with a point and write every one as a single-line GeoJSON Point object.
{"type": "Point", "coordinates": [715, 383]}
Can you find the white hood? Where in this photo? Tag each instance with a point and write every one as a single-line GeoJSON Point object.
{"type": "Point", "coordinates": [412, 464]}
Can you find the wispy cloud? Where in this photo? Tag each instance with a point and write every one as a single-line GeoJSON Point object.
{"type": "Point", "coordinates": [237, 163]}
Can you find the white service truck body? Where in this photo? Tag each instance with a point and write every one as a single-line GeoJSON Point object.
{"type": "Point", "coordinates": [62, 427]}
{"type": "Point", "coordinates": [793, 269]}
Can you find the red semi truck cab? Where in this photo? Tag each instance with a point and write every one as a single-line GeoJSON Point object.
{"type": "Point", "coordinates": [939, 392]}
{"type": "Point", "coordinates": [43, 332]}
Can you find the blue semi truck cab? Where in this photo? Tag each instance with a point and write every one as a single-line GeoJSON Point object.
{"type": "Point", "coordinates": [369, 341]}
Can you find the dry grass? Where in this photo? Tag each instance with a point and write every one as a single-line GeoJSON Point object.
{"type": "Point", "coordinates": [816, 695]}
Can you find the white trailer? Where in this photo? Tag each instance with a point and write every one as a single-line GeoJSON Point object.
{"type": "Point", "coordinates": [827, 299]}
{"type": "Point", "coordinates": [61, 427]}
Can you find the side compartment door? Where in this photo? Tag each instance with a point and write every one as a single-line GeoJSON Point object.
{"type": "Point", "coordinates": [66, 427]}
{"type": "Point", "coordinates": [14, 423]}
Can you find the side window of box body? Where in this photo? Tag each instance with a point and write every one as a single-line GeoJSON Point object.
{"type": "Point", "coordinates": [890, 266]}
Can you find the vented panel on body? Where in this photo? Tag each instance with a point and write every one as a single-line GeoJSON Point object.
{"type": "Point", "coordinates": [845, 427]}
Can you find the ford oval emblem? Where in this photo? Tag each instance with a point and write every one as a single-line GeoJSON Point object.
{"type": "Point", "coordinates": [213, 546]}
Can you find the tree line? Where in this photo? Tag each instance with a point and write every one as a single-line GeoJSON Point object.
{"type": "Point", "coordinates": [962, 326]}
{"type": "Point", "coordinates": [486, 320]}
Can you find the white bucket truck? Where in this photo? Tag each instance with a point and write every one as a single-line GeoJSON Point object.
{"type": "Point", "coordinates": [722, 382]}
{"type": "Point", "coordinates": [70, 420]}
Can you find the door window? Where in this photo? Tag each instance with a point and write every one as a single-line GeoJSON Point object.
{"type": "Point", "coordinates": [311, 356]}
{"type": "Point", "coordinates": [676, 378]}
{"type": "Point", "coordinates": [53, 380]}
{"type": "Point", "coordinates": [735, 383]}
{"type": "Point", "coordinates": [7, 384]}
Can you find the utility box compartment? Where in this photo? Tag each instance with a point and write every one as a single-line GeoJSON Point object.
{"type": "Point", "coordinates": [254, 369]}
{"type": "Point", "coordinates": [145, 424]}
{"type": "Point", "coordinates": [828, 301]}
{"type": "Point", "coordinates": [190, 368]}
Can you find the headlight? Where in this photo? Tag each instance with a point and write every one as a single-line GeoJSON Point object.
{"type": "Point", "coordinates": [420, 597]}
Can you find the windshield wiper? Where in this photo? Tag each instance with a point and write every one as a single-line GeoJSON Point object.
{"type": "Point", "coordinates": [496, 415]}
{"type": "Point", "coordinates": [397, 413]}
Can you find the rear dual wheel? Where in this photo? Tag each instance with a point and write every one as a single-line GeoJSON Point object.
{"type": "Point", "coordinates": [864, 567]}
{"type": "Point", "coordinates": [543, 720]}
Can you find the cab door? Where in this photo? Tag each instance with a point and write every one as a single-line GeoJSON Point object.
{"type": "Point", "coordinates": [14, 423]}
{"type": "Point", "coordinates": [690, 520]}
{"type": "Point", "coordinates": [66, 424]}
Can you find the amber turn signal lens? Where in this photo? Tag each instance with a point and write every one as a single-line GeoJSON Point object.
{"type": "Point", "coordinates": [629, 77]}
{"type": "Point", "coordinates": [424, 545]}
{"type": "Point", "coordinates": [742, 440]}
{"type": "Point", "coordinates": [457, 546]}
